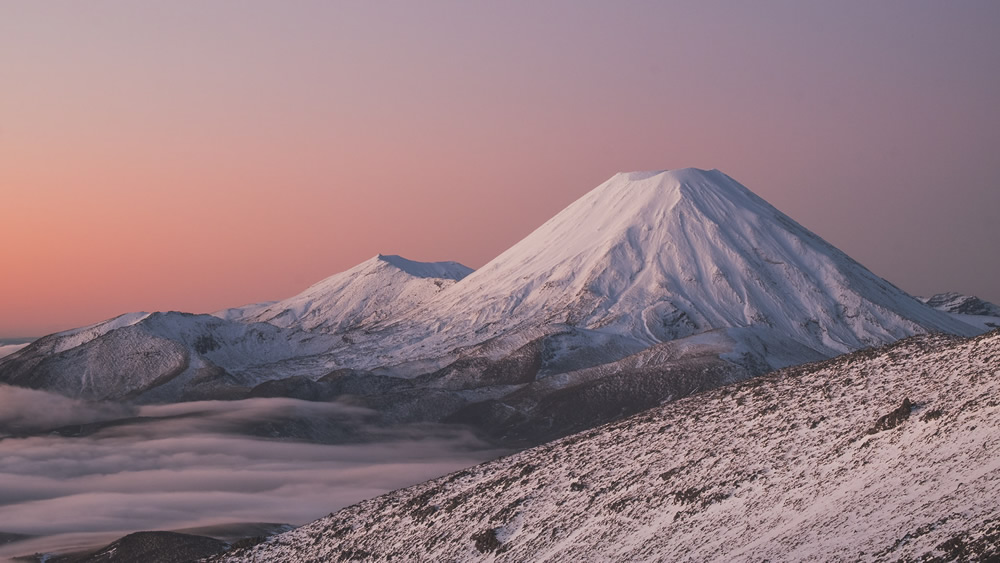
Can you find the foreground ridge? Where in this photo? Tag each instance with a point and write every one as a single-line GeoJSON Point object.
{"type": "Point", "coordinates": [883, 454]}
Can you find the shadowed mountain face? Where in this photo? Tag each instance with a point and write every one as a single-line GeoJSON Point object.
{"type": "Point", "coordinates": [884, 454]}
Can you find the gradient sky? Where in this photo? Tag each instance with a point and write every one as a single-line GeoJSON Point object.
{"type": "Point", "coordinates": [200, 155]}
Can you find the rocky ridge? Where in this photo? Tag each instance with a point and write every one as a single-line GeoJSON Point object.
{"type": "Point", "coordinates": [885, 454]}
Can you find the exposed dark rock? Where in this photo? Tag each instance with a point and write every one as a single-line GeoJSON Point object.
{"type": "Point", "coordinates": [486, 541]}
{"type": "Point", "coordinates": [933, 414]}
{"type": "Point", "coordinates": [205, 344]}
{"type": "Point", "coordinates": [893, 419]}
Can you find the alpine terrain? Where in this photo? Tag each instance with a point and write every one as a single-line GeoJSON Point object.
{"type": "Point", "coordinates": [887, 454]}
{"type": "Point", "coordinates": [656, 290]}
{"type": "Point", "coordinates": [652, 286]}
{"type": "Point", "coordinates": [966, 308]}
{"type": "Point", "coordinates": [381, 288]}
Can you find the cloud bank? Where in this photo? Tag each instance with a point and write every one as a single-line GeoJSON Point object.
{"type": "Point", "coordinates": [201, 463]}
{"type": "Point", "coordinates": [8, 349]}
{"type": "Point", "coordinates": [29, 410]}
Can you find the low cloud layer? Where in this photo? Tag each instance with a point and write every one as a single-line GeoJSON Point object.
{"type": "Point", "coordinates": [29, 410]}
{"type": "Point", "coordinates": [8, 349]}
{"type": "Point", "coordinates": [194, 464]}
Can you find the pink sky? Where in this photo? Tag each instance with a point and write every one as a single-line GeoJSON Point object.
{"type": "Point", "coordinates": [194, 156]}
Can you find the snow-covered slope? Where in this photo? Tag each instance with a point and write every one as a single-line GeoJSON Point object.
{"type": "Point", "coordinates": [967, 308]}
{"type": "Point", "coordinates": [885, 454]}
{"type": "Point", "coordinates": [164, 356]}
{"type": "Point", "coordinates": [169, 356]}
{"type": "Point", "coordinates": [656, 256]}
{"type": "Point", "coordinates": [62, 341]}
{"type": "Point", "coordinates": [962, 304]}
{"type": "Point", "coordinates": [376, 290]}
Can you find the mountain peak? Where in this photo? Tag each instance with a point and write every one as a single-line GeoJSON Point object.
{"type": "Point", "coordinates": [375, 290]}
{"type": "Point", "coordinates": [442, 270]}
{"type": "Point", "coordinates": [668, 187]}
{"type": "Point", "coordinates": [677, 175]}
{"type": "Point", "coordinates": [662, 255]}
{"type": "Point", "coordinates": [959, 303]}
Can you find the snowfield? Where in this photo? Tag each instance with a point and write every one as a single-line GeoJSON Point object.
{"type": "Point", "coordinates": [881, 455]}
{"type": "Point", "coordinates": [378, 289]}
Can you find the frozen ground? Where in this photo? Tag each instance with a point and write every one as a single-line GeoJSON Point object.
{"type": "Point", "coordinates": [881, 455]}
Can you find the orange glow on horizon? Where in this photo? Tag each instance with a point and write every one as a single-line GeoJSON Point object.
{"type": "Point", "coordinates": [183, 157]}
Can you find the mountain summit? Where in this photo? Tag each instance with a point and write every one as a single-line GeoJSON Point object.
{"type": "Point", "coordinates": [657, 256]}
{"type": "Point", "coordinates": [376, 290]}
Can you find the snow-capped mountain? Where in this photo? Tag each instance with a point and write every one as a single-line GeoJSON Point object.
{"type": "Point", "coordinates": [656, 256]}
{"type": "Point", "coordinates": [967, 308]}
{"type": "Point", "coordinates": [651, 288]}
{"type": "Point", "coordinates": [633, 287]}
{"type": "Point", "coordinates": [885, 455]}
{"type": "Point", "coordinates": [170, 356]}
{"type": "Point", "coordinates": [379, 289]}
{"type": "Point", "coordinates": [962, 304]}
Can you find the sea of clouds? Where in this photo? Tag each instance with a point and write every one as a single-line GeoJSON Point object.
{"type": "Point", "coordinates": [81, 474]}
